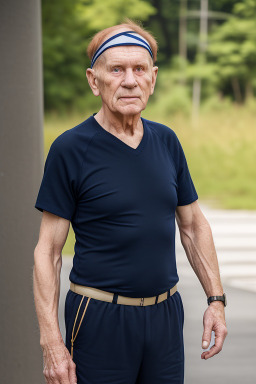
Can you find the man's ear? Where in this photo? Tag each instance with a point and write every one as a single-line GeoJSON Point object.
{"type": "Point", "coordinates": [92, 80]}
{"type": "Point", "coordinates": [154, 75]}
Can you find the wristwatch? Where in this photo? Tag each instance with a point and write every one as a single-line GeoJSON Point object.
{"type": "Point", "coordinates": [218, 298]}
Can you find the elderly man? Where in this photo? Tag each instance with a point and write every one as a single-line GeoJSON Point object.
{"type": "Point", "coordinates": [121, 180]}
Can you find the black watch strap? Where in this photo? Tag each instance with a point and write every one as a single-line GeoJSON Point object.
{"type": "Point", "coordinates": [217, 298]}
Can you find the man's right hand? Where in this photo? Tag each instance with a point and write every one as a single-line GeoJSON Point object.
{"type": "Point", "coordinates": [59, 368]}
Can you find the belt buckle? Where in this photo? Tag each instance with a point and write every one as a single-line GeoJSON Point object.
{"type": "Point", "coordinates": [141, 301]}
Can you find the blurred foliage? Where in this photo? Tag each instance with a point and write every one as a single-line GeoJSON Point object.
{"type": "Point", "coordinates": [98, 14]}
{"type": "Point", "coordinates": [64, 58]}
{"type": "Point", "coordinates": [233, 50]}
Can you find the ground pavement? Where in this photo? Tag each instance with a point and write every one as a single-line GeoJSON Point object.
{"type": "Point", "coordinates": [235, 242]}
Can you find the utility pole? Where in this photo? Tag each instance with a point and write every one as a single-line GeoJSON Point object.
{"type": "Point", "coordinates": [202, 48]}
{"type": "Point", "coordinates": [21, 165]}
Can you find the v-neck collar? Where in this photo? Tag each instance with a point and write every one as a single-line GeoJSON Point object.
{"type": "Point", "coordinates": [121, 143]}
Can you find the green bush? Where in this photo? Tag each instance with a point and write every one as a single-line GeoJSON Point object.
{"type": "Point", "coordinates": [174, 100]}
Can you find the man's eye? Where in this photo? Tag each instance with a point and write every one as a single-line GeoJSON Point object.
{"type": "Point", "coordinates": [140, 69]}
{"type": "Point", "coordinates": [116, 69]}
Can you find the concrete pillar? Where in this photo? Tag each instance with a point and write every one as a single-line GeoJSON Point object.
{"type": "Point", "coordinates": [21, 162]}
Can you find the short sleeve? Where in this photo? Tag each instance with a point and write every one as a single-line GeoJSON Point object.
{"type": "Point", "coordinates": [57, 192]}
{"type": "Point", "coordinates": [186, 191]}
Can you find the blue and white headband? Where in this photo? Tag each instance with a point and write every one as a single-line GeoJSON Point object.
{"type": "Point", "coordinates": [122, 38]}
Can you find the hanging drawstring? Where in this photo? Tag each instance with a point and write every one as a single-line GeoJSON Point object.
{"type": "Point", "coordinates": [73, 338]}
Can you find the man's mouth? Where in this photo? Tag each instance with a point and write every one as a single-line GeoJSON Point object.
{"type": "Point", "coordinates": [129, 97]}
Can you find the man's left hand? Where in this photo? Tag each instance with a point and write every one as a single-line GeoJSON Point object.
{"type": "Point", "coordinates": [214, 320]}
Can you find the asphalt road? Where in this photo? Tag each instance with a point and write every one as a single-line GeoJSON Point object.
{"type": "Point", "coordinates": [235, 242]}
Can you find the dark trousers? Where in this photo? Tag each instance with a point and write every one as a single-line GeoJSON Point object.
{"type": "Point", "coordinates": [125, 344]}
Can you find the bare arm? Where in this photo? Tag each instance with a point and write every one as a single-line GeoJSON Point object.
{"type": "Point", "coordinates": [197, 240]}
{"type": "Point", "coordinates": [46, 283]}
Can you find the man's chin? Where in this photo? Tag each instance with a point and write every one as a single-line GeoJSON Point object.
{"type": "Point", "coordinates": [130, 109]}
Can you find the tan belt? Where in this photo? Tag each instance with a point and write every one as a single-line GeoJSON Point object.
{"type": "Point", "coordinates": [98, 294]}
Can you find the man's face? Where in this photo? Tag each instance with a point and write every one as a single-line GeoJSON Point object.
{"type": "Point", "coordinates": [124, 78]}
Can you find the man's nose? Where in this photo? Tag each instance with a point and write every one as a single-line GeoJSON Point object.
{"type": "Point", "coordinates": [129, 78]}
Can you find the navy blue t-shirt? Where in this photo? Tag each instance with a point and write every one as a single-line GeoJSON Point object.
{"type": "Point", "coordinates": [121, 203]}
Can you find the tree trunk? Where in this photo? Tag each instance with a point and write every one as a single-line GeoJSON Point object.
{"type": "Point", "coordinates": [183, 30]}
{"type": "Point", "coordinates": [236, 90]}
{"type": "Point", "coordinates": [163, 25]}
{"type": "Point", "coordinates": [183, 40]}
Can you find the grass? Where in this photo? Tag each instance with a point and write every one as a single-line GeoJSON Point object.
{"type": "Point", "coordinates": [220, 151]}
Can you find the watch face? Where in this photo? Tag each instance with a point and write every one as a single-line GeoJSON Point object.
{"type": "Point", "coordinates": [225, 299]}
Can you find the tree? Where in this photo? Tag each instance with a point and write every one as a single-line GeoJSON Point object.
{"type": "Point", "coordinates": [233, 50]}
{"type": "Point", "coordinates": [98, 14]}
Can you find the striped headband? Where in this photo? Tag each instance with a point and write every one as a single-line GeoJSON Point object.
{"type": "Point", "coordinates": [122, 38]}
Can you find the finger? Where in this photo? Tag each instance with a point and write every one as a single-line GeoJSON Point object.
{"type": "Point", "coordinates": [206, 338]}
{"type": "Point", "coordinates": [46, 373]}
{"type": "Point", "coordinates": [62, 376]}
{"type": "Point", "coordinates": [58, 376]}
{"type": "Point", "coordinates": [52, 377]}
{"type": "Point", "coordinates": [72, 373]}
{"type": "Point", "coordinates": [216, 348]}
{"type": "Point", "coordinates": [47, 376]}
